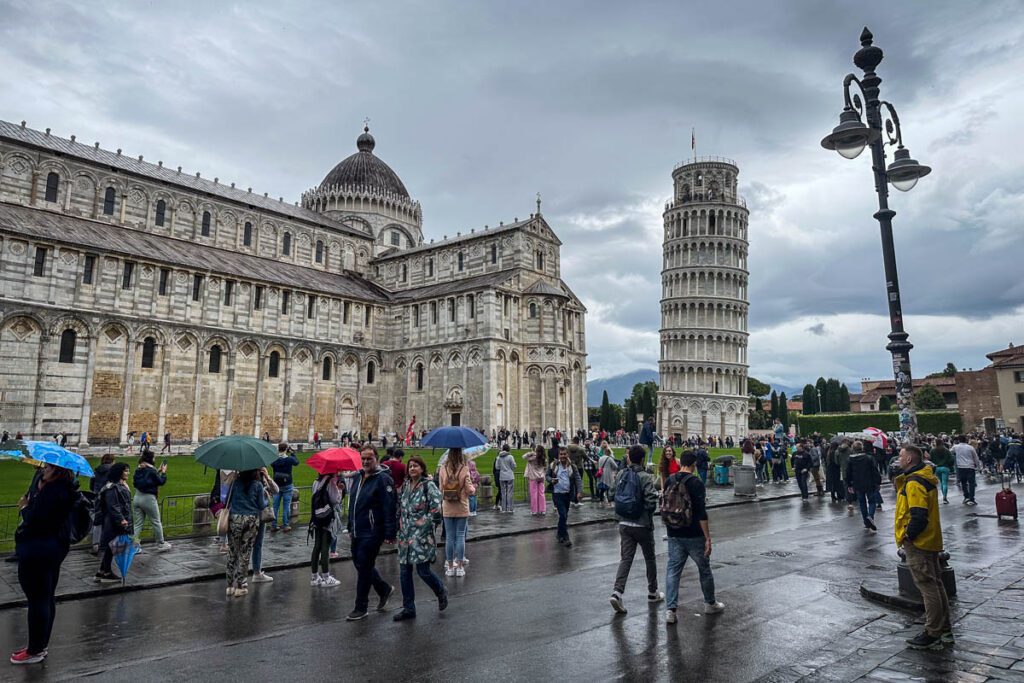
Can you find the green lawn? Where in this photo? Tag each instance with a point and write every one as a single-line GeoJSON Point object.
{"type": "Point", "coordinates": [186, 477]}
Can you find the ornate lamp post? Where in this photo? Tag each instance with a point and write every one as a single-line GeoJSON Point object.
{"type": "Point", "coordinates": [850, 138]}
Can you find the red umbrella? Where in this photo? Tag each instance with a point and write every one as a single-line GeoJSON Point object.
{"type": "Point", "coordinates": [336, 460]}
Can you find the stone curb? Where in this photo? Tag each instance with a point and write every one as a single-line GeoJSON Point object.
{"type": "Point", "coordinates": [876, 593]}
{"type": "Point", "coordinates": [113, 589]}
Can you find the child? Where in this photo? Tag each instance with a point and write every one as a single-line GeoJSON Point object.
{"type": "Point", "coordinates": [474, 476]}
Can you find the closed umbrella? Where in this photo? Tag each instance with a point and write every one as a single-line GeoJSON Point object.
{"type": "Point", "coordinates": [236, 453]}
{"type": "Point", "coordinates": [124, 549]}
{"type": "Point", "coordinates": [335, 460]}
{"type": "Point", "coordinates": [453, 437]}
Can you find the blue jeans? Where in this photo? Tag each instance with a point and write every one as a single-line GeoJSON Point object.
{"type": "Point", "coordinates": [455, 538]}
{"type": "Point", "coordinates": [943, 474]}
{"type": "Point", "coordinates": [285, 495]}
{"type": "Point", "coordinates": [257, 550]}
{"type": "Point", "coordinates": [867, 505]}
{"type": "Point", "coordinates": [409, 590]}
{"type": "Point", "coordinates": [472, 504]}
{"type": "Point", "coordinates": [678, 550]}
{"type": "Point", "coordinates": [703, 474]}
{"type": "Point", "coordinates": [561, 501]}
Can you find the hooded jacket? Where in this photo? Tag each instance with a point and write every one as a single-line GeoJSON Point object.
{"type": "Point", "coordinates": [862, 474]}
{"type": "Point", "coordinates": [372, 511]}
{"type": "Point", "coordinates": [917, 509]}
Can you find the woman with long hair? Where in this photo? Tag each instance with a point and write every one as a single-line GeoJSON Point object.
{"type": "Point", "coordinates": [669, 464]}
{"type": "Point", "coordinates": [246, 500]}
{"type": "Point", "coordinates": [148, 479]}
{"type": "Point", "coordinates": [115, 511]}
{"type": "Point", "coordinates": [323, 514]}
{"type": "Point", "coordinates": [606, 468]}
{"type": "Point", "coordinates": [536, 466]}
{"type": "Point", "coordinates": [456, 488]}
{"type": "Point", "coordinates": [419, 501]}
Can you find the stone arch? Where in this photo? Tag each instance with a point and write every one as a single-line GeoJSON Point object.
{"type": "Point", "coordinates": [81, 328]}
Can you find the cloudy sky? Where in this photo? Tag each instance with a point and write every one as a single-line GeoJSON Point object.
{"type": "Point", "coordinates": [480, 105]}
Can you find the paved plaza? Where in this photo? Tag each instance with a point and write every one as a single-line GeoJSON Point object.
{"type": "Point", "coordinates": [788, 571]}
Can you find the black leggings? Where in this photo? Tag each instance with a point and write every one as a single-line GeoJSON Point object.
{"type": "Point", "coordinates": [321, 550]}
{"type": "Point", "coordinates": [593, 486]}
{"type": "Point", "coordinates": [38, 576]}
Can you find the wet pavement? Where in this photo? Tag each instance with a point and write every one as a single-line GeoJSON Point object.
{"type": "Point", "coordinates": [194, 559]}
{"type": "Point", "coordinates": [529, 609]}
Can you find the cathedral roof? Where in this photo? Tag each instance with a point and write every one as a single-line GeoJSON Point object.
{"type": "Point", "coordinates": [135, 244]}
{"type": "Point", "coordinates": [365, 170]}
{"type": "Point", "coordinates": [488, 280]}
{"type": "Point", "coordinates": [543, 288]}
{"type": "Point", "coordinates": [165, 174]}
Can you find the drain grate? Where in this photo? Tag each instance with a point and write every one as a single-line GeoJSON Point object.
{"type": "Point", "coordinates": [776, 553]}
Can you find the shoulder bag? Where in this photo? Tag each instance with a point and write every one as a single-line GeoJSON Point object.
{"type": "Point", "coordinates": [225, 513]}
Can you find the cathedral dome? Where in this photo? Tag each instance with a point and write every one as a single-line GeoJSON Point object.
{"type": "Point", "coordinates": [363, 169]}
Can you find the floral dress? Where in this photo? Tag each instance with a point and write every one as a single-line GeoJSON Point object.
{"type": "Point", "coordinates": [417, 507]}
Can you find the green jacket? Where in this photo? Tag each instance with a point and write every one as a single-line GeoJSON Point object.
{"type": "Point", "coordinates": [941, 457]}
{"type": "Point", "coordinates": [649, 492]}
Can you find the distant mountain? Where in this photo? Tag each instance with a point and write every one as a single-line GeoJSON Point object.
{"type": "Point", "coordinates": [619, 387]}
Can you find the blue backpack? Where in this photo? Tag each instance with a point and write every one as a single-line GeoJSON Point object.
{"type": "Point", "coordinates": [629, 495]}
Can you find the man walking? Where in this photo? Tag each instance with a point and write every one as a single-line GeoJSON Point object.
{"type": "Point", "coordinates": [576, 456]}
{"type": "Point", "coordinates": [635, 502]}
{"type": "Point", "coordinates": [372, 521]}
{"type": "Point", "coordinates": [167, 443]}
{"type": "Point", "coordinates": [801, 467]}
{"type": "Point", "coordinates": [967, 465]}
{"type": "Point", "coordinates": [815, 453]}
{"type": "Point", "coordinates": [863, 480]}
{"type": "Point", "coordinates": [919, 533]}
{"type": "Point", "coordinates": [688, 535]}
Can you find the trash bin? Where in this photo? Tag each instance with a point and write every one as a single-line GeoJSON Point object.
{"type": "Point", "coordinates": [722, 475]}
{"type": "Point", "coordinates": [743, 481]}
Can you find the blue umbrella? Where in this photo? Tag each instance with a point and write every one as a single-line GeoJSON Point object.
{"type": "Point", "coordinates": [124, 549]}
{"type": "Point", "coordinates": [47, 453]}
{"type": "Point", "coordinates": [453, 437]}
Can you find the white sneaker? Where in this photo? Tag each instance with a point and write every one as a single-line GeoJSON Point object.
{"type": "Point", "coordinates": [714, 607]}
{"type": "Point", "coordinates": [460, 571]}
{"type": "Point", "coordinates": [465, 561]}
{"type": "Point", "coordinates": [617, 605]}
{"type": "Point", "coordinates": [163, 546]}
{"type": "Point", "coordinates": [449, 570]}
{"type": "Point", "coordinates": [655, 597]}
{"type": "Point", "coordinates": [329, 582]}
{"type": "Point", "coordinates": [262, 577]}
{"type": "Point", "coordinates": [230, 591]}
{"type": "Point", "coordinates": [670, 616]}
{"type": "Point", "coordinates": [316, 580]}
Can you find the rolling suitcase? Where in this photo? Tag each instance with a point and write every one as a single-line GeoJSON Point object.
{"type": "Point", "coordinates": [1006, 500]}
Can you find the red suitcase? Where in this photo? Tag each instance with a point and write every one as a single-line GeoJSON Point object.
{"type": "Point", "coordinates": [1006, 500]}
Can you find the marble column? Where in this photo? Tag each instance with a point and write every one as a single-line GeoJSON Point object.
{"type": "Point", "coordinates": [129, 375]}
{"type": "Point", "coordinates": [90, 364]}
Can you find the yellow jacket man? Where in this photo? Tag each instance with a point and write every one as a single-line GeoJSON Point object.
{"type": "Point", "coordinates": [919, 533]}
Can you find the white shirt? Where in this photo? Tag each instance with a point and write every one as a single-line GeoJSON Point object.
{"type": "Point", "coordinates": [966, 456]}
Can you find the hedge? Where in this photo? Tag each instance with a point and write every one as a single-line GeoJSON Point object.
{"type": "Point", "coordinates": [928, 422]}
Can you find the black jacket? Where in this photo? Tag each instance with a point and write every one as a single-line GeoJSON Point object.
{"type": "Point", "coordinates": [282, 467]}
{"type": "Point", "coordinates": [862, 473]}
{"type": "Point", "coordinates": [44, 521]}
{"type": "Point", "coordinates": [801, 460]}
{"type": "Point", "coordinates": [372, 507]}
{"type": "Point", "coordinates": [115, 506]}
{"type": "Point", "coordinates": [148, 480]}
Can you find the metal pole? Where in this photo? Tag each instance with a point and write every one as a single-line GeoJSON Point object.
{"type": "Point", "coordinates": [867, 59]}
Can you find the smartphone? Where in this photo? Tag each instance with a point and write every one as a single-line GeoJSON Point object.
{"type": "Point", "coordinates": [164, 463]}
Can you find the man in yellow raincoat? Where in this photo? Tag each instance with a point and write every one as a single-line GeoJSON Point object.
{"type": "Point", "coordinates": [919, 533]}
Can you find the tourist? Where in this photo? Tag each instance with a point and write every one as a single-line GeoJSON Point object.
{"type": "Point", "coordinates": [41, 543]}
{"type": "Point", "coordinates": [815, 452]}
{"type": "Point", "coordinates": [167, 444]}
{"type": "Point", "coordinates": [96, 484]}
{"type": "Point", "coordinates": [566, 485]}
{"type": "Point", "coordinates": [919, 533]}
{"type": "Point", "coordinates": [590, 469]}
{"type": "Point", "coordinates": [691, 538]}
{"type": "Point", "coordinates": [801, 461]}
{"type": "Point", "coordinates": [703, 462]}
{"type": "Point", "coordinates": [668, 465]}
{"type": "Point", "coordinates": [967, 465]}
{"type": "Point", "coordinates": [144, 442]}
{"type": "Point", "coordinates": [456, 488]}
{"type": "Point", "coordinates": [115, 511]}
{"type": "Point", "coordinates": [246, 499]}
{"type": "Point", "coordinates": [147, 481]}
{"type": "Point", "coordinates": [397, 468]}
{"type": "Point", "coordinates": [536, 463]}
{"type": "Point", "coordinates": [833, 478]}
{"type": "Point", "coordinates": [635, 502]}
{"type": "Point", "coordinates": [576, 456]}
{"type": "Point", "coordinates": [282, 467]}
{"type": "Point", "coordinates": [942, 460]}
{"type": "Point", "coordinates": [506, 466]}
{"type": "Point", "coordinates": [325, 497]}
{"type": "Point", "coordinates": [270, 489]}
{"type": "Point", "coordinates": [842, 460]}
{"type": "Point", "coordinates": [372, 522]}
{"type": "Point", "coordinates": [647, 439]}
{"type": "Point", "coordinates": [862, 480]}
{"type": "Point", "coordinates": [419, 503]}
{"type": "Point", "coordinates": [606, 470]}
{"type": "Point", "coordinates": [495, 474]}
{"type": "Point", "coordinates": [474, 476]}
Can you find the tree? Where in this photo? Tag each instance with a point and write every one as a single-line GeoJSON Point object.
{"type": "Point", "coordinates": [821, 388]}
{"type": "Point", "coordinates": [756, 387]}
{"type": "Point", "coordinates": [950, 370]}
{"type": "Point", "coordinates": [775, 405]}
{"type": "Point", "coordinates": [929, 398]}
{"type": "Point", "coordinates": [884, 403]}
{"type": "Point", "coordinates": [810, 400]}
{"type": "Point", "coordinates": [783, 410]}
{"type": "Point", "coordinates": [758, 405]}
{"type": "Point", "coordinates": [844, 399]}
{"type": "Point", "coordinates": [605, 412]}
{"type": "Point", "coordinates": [645, 399]}
{"type": "Point", "coordinates": [593, 415]}
{"type": "Point", "coordinates": [832, 402]}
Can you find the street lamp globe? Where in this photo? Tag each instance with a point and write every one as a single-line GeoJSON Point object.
{"type": "Point", "coordinates": [904, 172]}
{"type": "Point", "coordinates": [851, 136]}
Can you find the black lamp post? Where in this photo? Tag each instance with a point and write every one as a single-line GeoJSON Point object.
{"type": "Point", "coordinates": [850, 138]}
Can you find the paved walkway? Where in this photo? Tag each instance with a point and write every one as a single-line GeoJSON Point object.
{"type": "Point", "coordinates": [195, 559]}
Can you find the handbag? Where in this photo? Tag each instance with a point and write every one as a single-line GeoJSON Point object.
{"type": "Point", "coordinates": [224, 514]}
{"type": "Point", "coordinates": [267, 513]}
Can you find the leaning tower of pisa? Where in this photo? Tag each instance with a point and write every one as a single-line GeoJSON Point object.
{"type": "Point", "coordinates": [703, 368]}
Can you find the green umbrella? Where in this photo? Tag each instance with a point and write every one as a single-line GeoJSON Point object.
{"type": "Point", "coordinates": [236, 453]}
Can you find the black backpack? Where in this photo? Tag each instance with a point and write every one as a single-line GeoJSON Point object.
{"type": "Point", "coordinates": [629, 495]}
{"type": "Point", "coordinates": [80, 519]}
{"type": "Point", "coordinates": [322, 512]}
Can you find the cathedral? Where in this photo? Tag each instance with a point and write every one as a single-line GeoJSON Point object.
{"type": "Point", "coordinates": [139, 297]}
